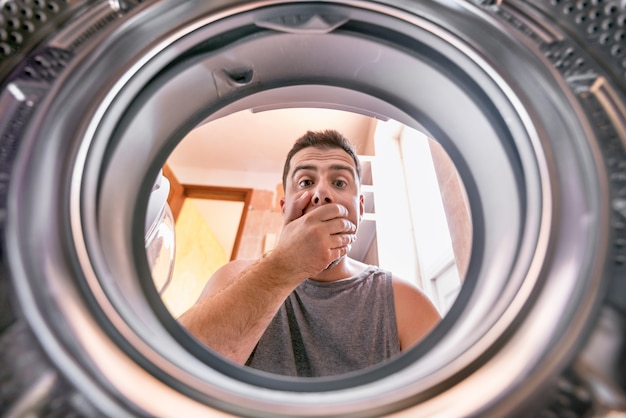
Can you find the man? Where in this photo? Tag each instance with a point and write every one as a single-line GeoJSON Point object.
{"type": "Point", "coordinates": [306, 308]}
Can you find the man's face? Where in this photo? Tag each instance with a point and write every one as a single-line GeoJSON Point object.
{"type": "Point", "coordinates": [329, 175]}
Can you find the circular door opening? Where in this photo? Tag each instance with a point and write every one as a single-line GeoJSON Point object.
{"type": "Point", "coordinates": [520, 140]}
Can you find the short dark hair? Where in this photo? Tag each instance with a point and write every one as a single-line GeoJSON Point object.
{"type": "Point", "coordinates": [326, 139]}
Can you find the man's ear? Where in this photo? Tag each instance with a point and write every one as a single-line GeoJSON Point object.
{"type": "Point", "coordinates": [361, 206]}
{"type": "Point", "coordinates": [282, 205]}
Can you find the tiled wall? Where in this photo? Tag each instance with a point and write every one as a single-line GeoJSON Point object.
{"type": "Point", "coordinates": [263, 225]}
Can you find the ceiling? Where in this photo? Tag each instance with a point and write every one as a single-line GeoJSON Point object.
{"type": "Point", "coordinates": [258, 142]}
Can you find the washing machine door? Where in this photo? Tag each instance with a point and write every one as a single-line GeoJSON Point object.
{"type": "Point", "coordinates": [526, 97]}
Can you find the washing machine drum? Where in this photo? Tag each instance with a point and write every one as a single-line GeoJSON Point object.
{"type": "Point", "coordinates": [528, 98]}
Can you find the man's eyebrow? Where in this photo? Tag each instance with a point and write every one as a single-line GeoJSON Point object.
{"type": "Point", "coordinates": [303, 167]}
{"type": "Point", "coordinates": [336, 167]}
{"type": "Point", "coordinates": [342, 167]}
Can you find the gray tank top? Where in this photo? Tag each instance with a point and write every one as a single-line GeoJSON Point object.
{"type": "Point", "coordinates": [325, 329]}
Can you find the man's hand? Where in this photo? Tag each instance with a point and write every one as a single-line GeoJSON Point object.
{"type": "Point", "coordinates": [308, 243]}
{"type": "Point", "coordinates": [311, 241]}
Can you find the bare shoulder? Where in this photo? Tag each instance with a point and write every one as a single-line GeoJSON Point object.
{"type": "Point", "coordinates": [223, 277]}
{"type": "Point", "coordinates": [405, 292]}
{"type": "Point", "coordinates": [416, 315]}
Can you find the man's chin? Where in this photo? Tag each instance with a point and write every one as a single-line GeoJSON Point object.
{"type": "Point", "coordinates": [334, 263]}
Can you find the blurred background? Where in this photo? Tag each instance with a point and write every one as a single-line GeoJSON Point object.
{"type": "Point", "coordinates": [225, 187]}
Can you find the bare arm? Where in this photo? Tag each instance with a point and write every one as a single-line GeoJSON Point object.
{"type": "Point", "coordinates": [241, 299]}
{"type": "Point", "coordinates": [236, 307]}
{"type": "Point", "coordinates": [415, 313]}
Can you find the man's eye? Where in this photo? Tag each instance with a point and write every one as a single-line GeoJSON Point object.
{"type": "Point", "coordinates": [304, 183]}
{"type": "Point", "coordinates": [341, 183]}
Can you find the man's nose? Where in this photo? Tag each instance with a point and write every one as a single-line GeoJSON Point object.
{"type": "Point", "coordinates": [317, 200]}
{"type": "Point", "coordinates": [322, 196]}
